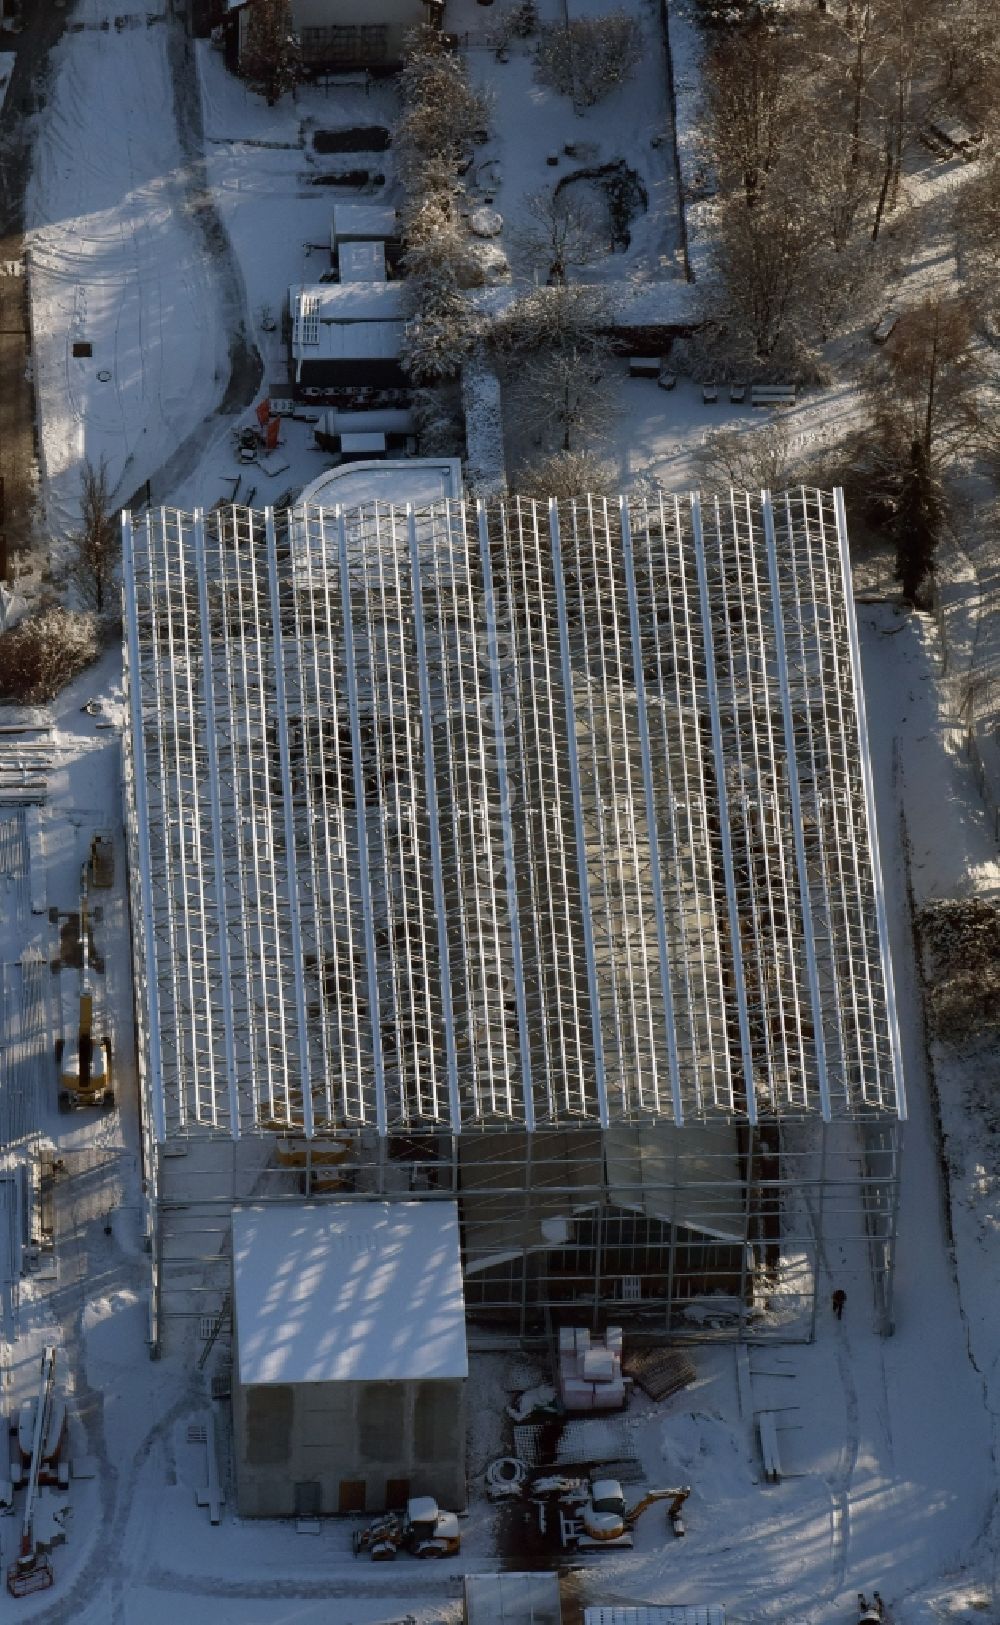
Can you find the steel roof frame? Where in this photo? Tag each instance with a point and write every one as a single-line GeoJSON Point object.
{"type": "Point", "coordinates": [525, 816]}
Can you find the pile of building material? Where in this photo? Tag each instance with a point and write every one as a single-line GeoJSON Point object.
{"type": "Point", "coordinates": [659, 1372]}
{"type": "Point", "coordinates": [590, 1370]}
{"type": "Point", "coordinates": [607, 1440]}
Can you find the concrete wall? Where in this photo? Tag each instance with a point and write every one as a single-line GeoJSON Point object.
{"type": "Point", "coordinates": [337, 1434]}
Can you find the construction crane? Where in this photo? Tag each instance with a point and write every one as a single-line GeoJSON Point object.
{"type": "Point", "coordinates": [601, 1517]}
{"type": "Point", "coordinates": [31, 1570]}
{"type": "Point", "coordinates": [85, 1056]}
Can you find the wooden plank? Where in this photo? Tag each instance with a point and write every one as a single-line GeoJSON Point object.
{"type": "Point", "coordinates": [768, 1432]}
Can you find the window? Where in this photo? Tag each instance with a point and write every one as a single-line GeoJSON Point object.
{"type": "Point", "coordinates": [348, 46]}
{"type": "Point", "coordinates": [382, 1421]}
{"type": "Point", "coordinates": [308, 1499]}
{"type": "Point", "coordinates": [269, 1425]}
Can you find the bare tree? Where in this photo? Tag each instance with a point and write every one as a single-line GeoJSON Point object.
{"type": "Point", "coordinates": [271, 58]}
{"type": "Point", "coordinates": [923, 388]}
{"type": "Point", "coordinates": [566, 475]}
{"type": "Point", "coordinates": [98, 540]}
{"type": "Point", "coordinates": [589, 57]}
{"type": "Point", "coordinates": [748, 459]}
{"type": "Point", "coordinates": [559, 233]}
{"type": "Point", "coordinates": [560, 393]}
{"type": "Point", "coordinates": [764, 255]}
{"type": "Point", "coordinates": [756, 104]}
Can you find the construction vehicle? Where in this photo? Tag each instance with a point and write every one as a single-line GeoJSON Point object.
{"type": "Point", "coordinates": [870, 1613]}
{"type": "Point", "coordinates": [31, 1569]}
{"type": "Point", "coordinates": [102, 860]}
{"type": "Point", "coordinates": [84, 1057]}
{"type": "Point", "coordinates": [599, 1517]}
{"type": "Point", "coordinates": [423, 1530]}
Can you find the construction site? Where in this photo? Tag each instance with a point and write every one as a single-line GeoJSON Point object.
{"type": "Point", "coordinates": [520, 857]}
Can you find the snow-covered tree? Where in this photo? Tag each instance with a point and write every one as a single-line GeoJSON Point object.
{"type": "Point", "coordinates": [271, 59]}
{"type": "Point", "coordinates": [589, 57]}
{"type": "Point", "coordinates": [441, 110]}
{"type": "Point", "coordinates": [441, 331]}
{"type": "Point", "coordinates": [551, 318]}
{"type": "Point", "coordinates": [438, 245]}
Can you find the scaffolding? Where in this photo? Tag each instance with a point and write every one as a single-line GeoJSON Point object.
{"type": "Point", "coordinates": [526, 852]}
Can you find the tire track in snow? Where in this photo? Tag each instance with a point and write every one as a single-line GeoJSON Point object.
{"type": "Point", "coordinates": [841, 1482]}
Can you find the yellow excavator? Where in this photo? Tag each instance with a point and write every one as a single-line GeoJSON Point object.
{"type": "Point", "coordinates": [84, 1055]}
{"type": "Point", "coordinates": [603, 1519]}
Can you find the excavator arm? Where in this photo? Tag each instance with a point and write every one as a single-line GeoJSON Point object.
{"type": "Point", "coordinates": [676, 1498]}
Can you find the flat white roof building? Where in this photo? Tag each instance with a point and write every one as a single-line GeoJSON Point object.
{"type": "Point", "coordinates": [335, 323]}
{"type": "Point", "coordinates": [363, 222]}
{"type": "Point", "coordinates": [350, 1357]}
{"type": "Point", "coordinates": [349, 1292]}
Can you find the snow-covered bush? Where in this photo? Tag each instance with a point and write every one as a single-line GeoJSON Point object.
{"type": "Point", "coordinates": [440, 332]}
{"type": "Point", "coordinates": [44, 652]}
{"type": "Point", "coordinates": [438, 420]}
{"type": "Point", "coordinates": [550, 317]}
{"type": "Point", "coordinates": [591, 57]}
{"type": "Point", "coordinates": [566, 475]}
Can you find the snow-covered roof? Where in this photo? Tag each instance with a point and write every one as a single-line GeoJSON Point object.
{"type": "Point", "coordinates": [520, 816]}
{"type": "Point", "coordinates": [363, 221]}
{"type": "Point", "coordinates": [512, 1599]}
{"type": "Point", "coordinates": [339, 321]}
{"type": "Point", "coordinates": [331, 302]}
{"type": "Point", "coordinates": [677, 1614]}
{"type": "Point", "coordinates": [348, 1292]}
{"type": "Point", "coordinates": [361, 262]}
{"type": "Point", "coordinates": [421, 481]}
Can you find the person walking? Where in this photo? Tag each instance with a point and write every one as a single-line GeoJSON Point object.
{"type": "Point", "coordinates": [839, 1300]}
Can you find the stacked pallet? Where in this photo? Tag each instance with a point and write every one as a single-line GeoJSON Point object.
{"type": "Point", "coordinates": [25, 763]}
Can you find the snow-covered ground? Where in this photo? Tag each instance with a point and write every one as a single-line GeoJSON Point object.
{"type": "Point", "coordinates": [894, 1439]}
{"type": "Point", "coordinates": [119, 263]}
{"type": "Point", "coordinates": [529, 123]}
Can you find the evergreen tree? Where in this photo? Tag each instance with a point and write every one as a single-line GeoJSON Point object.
{"type": "Point", "coordinates": [271, 58]}
{"type": "Point", "coordinates": [918, 526]}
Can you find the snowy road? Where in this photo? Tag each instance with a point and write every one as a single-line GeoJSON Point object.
{"type": "Point", "coordinates": [132, 298]}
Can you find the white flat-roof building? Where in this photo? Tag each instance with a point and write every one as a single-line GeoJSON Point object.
{"type": "Point", "coordinates": [363, 222]}
{"type": "Point", "coordinates": [511, 1599]}
{"type": "Point", "coordinates": [361, 262]}
{"type": "Point", "coordinates": [350, 1356]}
{"type": "Point", "coordinates": [347, 333]}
